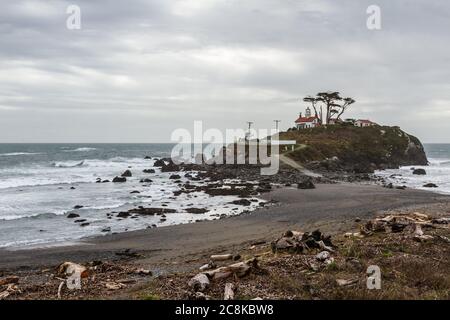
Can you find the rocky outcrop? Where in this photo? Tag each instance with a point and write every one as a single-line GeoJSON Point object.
{"type": "Point", "coordinates": [357, 150]}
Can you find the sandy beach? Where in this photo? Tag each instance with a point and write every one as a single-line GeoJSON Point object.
{"type": "Point", "coordinates": [330, 206]}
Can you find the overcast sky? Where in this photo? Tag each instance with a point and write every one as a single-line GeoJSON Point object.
{"type": "Point", "coordinates": [138, 69]}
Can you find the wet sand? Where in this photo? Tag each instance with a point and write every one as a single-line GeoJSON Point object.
{"type": "Point", "coordinates": [295, 209]}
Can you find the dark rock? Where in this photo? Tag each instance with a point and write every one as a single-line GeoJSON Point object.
{"type": "Point", "coordinates": [78, 206]}
{"type": "Point", "coordinates": [119, 179]}
{"type": "Point", "coordinates": [419, 171]}
{"type": "Point", "coordinates": [196, 210]}
{"type": "Point", "coordinates": [105, 181]}
{"type": "Point", "coordinates": [72, 188]}
{"type": "Point", "coordinates": [127, 173]}
{"type": "Point", "coordinates": [84, 224]}
{"type": "Point", "coordinates": [80, 220]}
{"type": "Point", "coordinates": [159, 163]}
{"type": "Point", "coordinates": [147, 158]}
{"type": "Point", "coordinates": [430, 185]}
{"type": "Point", "coordinates": [146, 180]}
{"type": "Point", "coordinates": [123, 214]}
{"type": "Point", "coordinates": [135, 191]}
{"type": "Point", "coordinates": [241, 202]}
{"type": "Point", "coordinates": [175, 177]}
{"type": "Point", "coordinates": [398, 227]}
{"type": "Point", "coordinates": [149, 171]}
{"type": "Point", "coordinates": [152, 211]}
{"type": "Point", "coordinates": [307, 184]}
{"type": "Point", "coordinates": [73, 215]}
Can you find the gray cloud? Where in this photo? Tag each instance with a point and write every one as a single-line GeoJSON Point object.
{"type": "Point", "coordinates": [139, 69]}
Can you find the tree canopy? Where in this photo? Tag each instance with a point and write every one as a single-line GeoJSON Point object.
{"type": "Point", "coordinates": [329, 106]}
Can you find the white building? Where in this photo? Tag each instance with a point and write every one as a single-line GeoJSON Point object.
{"type": "Point", "coordinates": [308, 121]}
{"type": "Point", "coordinates": [364, 123]}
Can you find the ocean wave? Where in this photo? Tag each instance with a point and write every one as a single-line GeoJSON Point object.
{"type": "Point", "coordinates": [439, 162]}
{"type": "Point", "coordinates": [67, 165]}
{"type": "Point", "coordinates": [84, 149]}
{"type": "Point", "coordinates": [18, 154]}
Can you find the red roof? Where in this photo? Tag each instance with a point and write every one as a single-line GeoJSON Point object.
{"type": "Point", "coordinates": [364, 121]}
{"type": "Point", "coordinates": [305, 119]}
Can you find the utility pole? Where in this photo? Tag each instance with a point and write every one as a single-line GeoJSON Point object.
{"type": "Point", "coordinates": [276, 124]}
{"type": "Point", "coordinates": [249, 128]}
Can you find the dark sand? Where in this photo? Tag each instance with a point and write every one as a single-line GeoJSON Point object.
{"type": "Point", "coordinates": [297, 209]}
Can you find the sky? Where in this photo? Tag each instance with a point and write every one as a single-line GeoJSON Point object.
{"type": "Point", "coordinates": [137, 70]}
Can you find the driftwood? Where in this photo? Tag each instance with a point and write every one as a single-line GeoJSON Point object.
{"type": "Point", "coordinates": [221, 257]}
{"type": "Point", "coordinates": [239, 269]}
{"type": "Point", "coordinates": [229, 292]}
{"type": "Point", "coordinates": [210, 265]}
{"type": "Point", "coordinates": [199, 283]}
{"type": "Point", "coordinates": [9, 280]}
{"type": "Point", "coordinates": [70, 268]}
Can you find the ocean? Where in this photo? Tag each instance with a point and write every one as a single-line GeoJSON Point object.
{"type": "Point", "coordinates": [438, 171]}
{"type": "Point", "coordinates": [41, 183]}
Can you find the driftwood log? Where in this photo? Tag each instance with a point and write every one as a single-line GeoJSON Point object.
{"type": "Point", "coordinates": [239, 269]}
{"type": "Point", "coordinates": [221, 257]}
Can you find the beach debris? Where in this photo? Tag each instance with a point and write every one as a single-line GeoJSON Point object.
{"type": "Point", "coordinates": [199, 282]}
{"type": "Point", "coordinates": [71, 268]}
{"type": "Point", "coordinates": [114, 285]}
{"type": "Point", "coordinates": [12, 288]}
{"type": "Point", "coordinates": [208, 266]}
{"type": "Point", "coordinates": [9, 280]}
{"type": "Point", "coordinates": [119, 179]}
{"type": "Point", "coordinates": [229, 291]}
{"type": "Point", "coordinates": [297, 242]}
{"type": "Point", "coordinates": [142, 271]}
{"type": "Point", "coordinates": [419, 171]}
{"type": "Point", "coordinates": [401, 222]}
{"type": "Point", "coordinates": [346, 282]}
{"type": "Point", "coordinates": [221, 257]}
{"type": "Point", "coordinates": [126, 173]}
{"type": "Point", "coordinates": [239, 269]}
{"type": "Point", "coordinates": [323, 256]}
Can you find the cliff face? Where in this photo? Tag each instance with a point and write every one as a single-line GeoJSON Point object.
{"type": "Point", "coordinates": [362, 150]}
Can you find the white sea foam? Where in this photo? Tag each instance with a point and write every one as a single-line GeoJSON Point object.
{"type": "Point", "coordinates": [19, 154]}
{"type": "Point", "coordinates": [438, 172]}
{"type": "Point", "coordinates": [83, 149]}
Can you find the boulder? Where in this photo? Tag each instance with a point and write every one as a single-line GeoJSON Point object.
{"type": "Point", "coordinates": [430, 185]}
{"type": "Point", "coordinates": [159, 163]}
{"type": "Point", "coordinates": [72, 215]}
{"type": "Point", "coordinates": [149, 171]}
{"type": "Point", "coordinates": [127, 173]}
{"type": "Point", "coordinates": [199, 283]}
{"type": "Point", "coordinates": [119, 179]}
{"type": "Point", "coordinates": [307, 184]}
{"type": "Point", "coordinates": [419, 171]}
{"type": "Point", "coordinates": [241, 202]}
{"type": "Point", "coordinates": [175, 177]}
